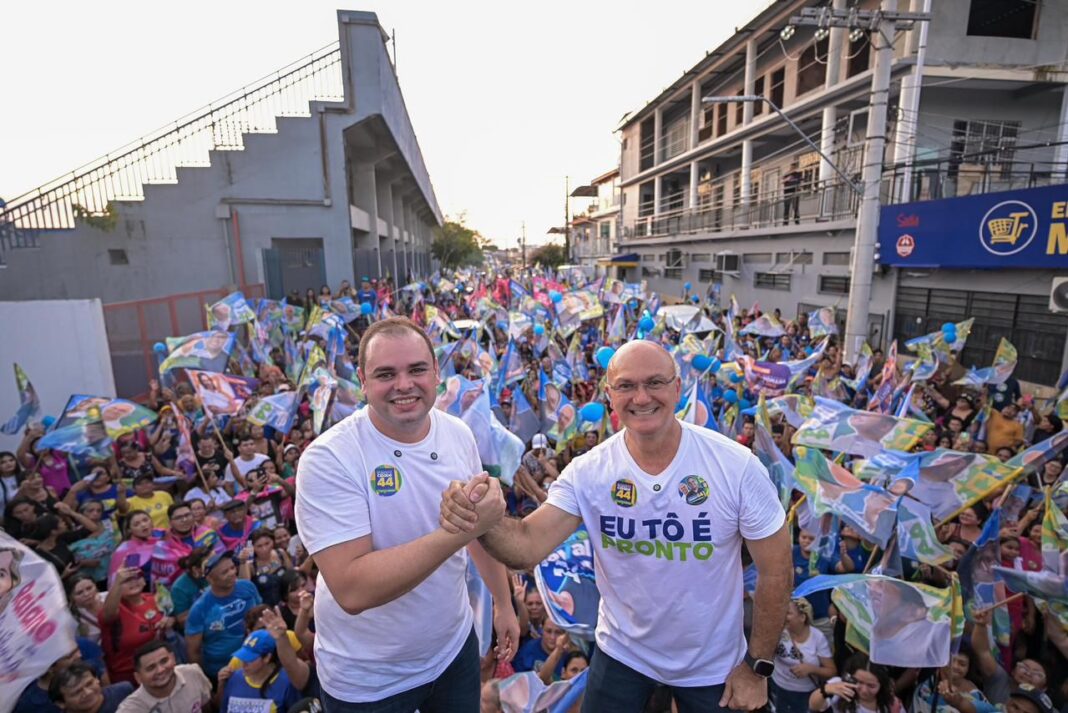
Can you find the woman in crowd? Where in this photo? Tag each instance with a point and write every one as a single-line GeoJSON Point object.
{"type": "Point", "coordinates": [268, 565]}
{"type": "Point", "coordinates": [136, 550]}
{"type": "Point", "coordinates": [864, 687]}
{"type": "Point", "coordinates": [33, 488]}
{"type": "Point", "coordinates": [20, 516]}
{"type": "Point", "coordinates": [802, 660]}
{"type": "Point", "coordinates": [86, 604]}
{"type": "Point", "coordinates": [190, 583]}
{"type": "Point", "coordinates": [94, 550]}
{"type": "Point", "coordinates": [947, 689]}
{"type": "Point", "coordinates": [129, 619]}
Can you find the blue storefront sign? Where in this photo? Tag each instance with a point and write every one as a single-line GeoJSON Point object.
{"type": "Point", "coordinates": [1012, 229]}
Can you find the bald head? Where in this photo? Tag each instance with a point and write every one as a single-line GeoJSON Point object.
{"type": "Point", "coordinates": [645, 353]}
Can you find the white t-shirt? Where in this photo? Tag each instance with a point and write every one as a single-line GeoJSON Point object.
{"type": "Point", "coordinates": [221, 498]}
{"type": "Point", "coordinates": [790, 653]}
{"type": "Point", "coordinates": [668, 551]}
{"type": "Point", "coordinates": [354, 481]}
{"type": "Point", "coordinates": [244, 467]}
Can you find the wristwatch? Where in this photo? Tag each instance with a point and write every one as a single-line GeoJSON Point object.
{"type": "Point", "coordinates": [761, 667]}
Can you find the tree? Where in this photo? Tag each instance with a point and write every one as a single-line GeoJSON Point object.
{"type": "Point", "coordinates": [455, 244]}
{"type": "Point", "coordinates": [550, 255]}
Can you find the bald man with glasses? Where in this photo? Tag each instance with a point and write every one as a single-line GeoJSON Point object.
{"type": "Point", "coordinates": [668, 506]}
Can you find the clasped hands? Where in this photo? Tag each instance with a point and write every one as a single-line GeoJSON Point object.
{"type": "Point", "coordinates": [472, 508]}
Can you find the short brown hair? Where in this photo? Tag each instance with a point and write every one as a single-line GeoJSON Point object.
{"type": "Point", "coordinates": [393, 326]}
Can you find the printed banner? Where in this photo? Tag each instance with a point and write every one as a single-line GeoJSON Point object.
{"type": "Point", "coordinates": [568, 585]}
{"type": "Point", "coordinates": [221, 394]}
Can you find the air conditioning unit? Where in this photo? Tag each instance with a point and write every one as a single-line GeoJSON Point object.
{"type": "Point", "coordinates": [1058, 295]}
{"type": "Point", "coordinates": [729, 263]}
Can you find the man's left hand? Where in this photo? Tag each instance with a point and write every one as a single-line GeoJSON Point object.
{"type": "Point", "coordinates": [506, 625]}
{"type": "Point", "coordinates": [744, 690]}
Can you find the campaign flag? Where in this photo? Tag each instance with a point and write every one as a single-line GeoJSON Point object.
{"type": "Point", "coordinates": [837, 428]}
{"type": "Point", "coordinates": [905, 624]}
{"type": "Point", "coordinates": [1004, 364]}
{"type": "Point", "coordinates": [518, 324]}
{"type": "Point", "coordinates": [830, 488]}
{"type": "Point", "coordinates": [821, 322]}
{"type": "Point", "coordinates": [561, 414]}
{"type": "Point", "coordinates": [86, 437]}
{"type": "Point", "coordinates": [1054, 537]}
{"type": "Point", "coordinates": [794, 407]}
{"type": "Point", "coordinates": [36, 626]}
{"type": "Point", "coordinates": [29, 404]}
{"type": "Point", "coordinates": [883, 398]}
{"type": "Point", "coordinates": [348, 399]}
{"type": "Point", "coordinates": [779, 467]}
{"type": "Point", "coordinates": [861, 370]}
{"type": "Point", "coordinates": [568, 585]}
{"type": "Point", "coordinates": [764, 377]}
{"type": "Point", "coordinates": [576, 359]}
{"type": "Point", "coordinates": [525, 422]}
{"type": "Point", "coordinates": [925, 365]}
{"type": "Point", "coordinates": [500, 450]}
{"type": "Point", "coordinates": [937, 341]}
{"type": "Point", "coordinates": [1046, 585]}
{"type": "Point", "coordinates": [1041, 453]}
{"type": "Point", "coordinates": [118, 415]}
{"type": "Point", "coordinates": [276, 411]}
{"type": "Point", "coordinates": [764, 326]}
{"type": "Point", "coordinates": [617, 330]}
{"type": "Point", "coordinates": [526, 693]}
{"type": "Point", "coordinates": [186, 459]}
{"type": "Point", "coordinates": [981, 585]}
{"type": "Point", "coordinates": [800, 367]}
{"type": "Point", "coordinates": [944, 480]}
{"type": "Point", "coordinates": [916, 537]}
{"type": "Point", "coordinates": [320, 390]}
{"type": "Point", "coordinates": [209, 351]}
{"type": "Point", "coordinates": [221, 394]}
{"type": "Point", "coordinates": [230, 310]}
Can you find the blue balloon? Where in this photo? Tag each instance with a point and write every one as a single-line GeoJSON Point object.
{"type": "Point", "coordinates": [744, 404]}
{"type": "Point", "coordinates": [687, 287]}
{"type": "Point", "coordinates": [735, 377]}
{"type": "Point", "coordinates": [949, 327]}
{"type": "Point", "coordinates": [695, 299]}
{"type": "Point", "coordinates": [555, 296]}
{"type": "Point", "coordinates": [951, 337]}
{"type": "Point", "coordinates": [701, 363]}
{"type": "Point", "coordinates": [159, 348]}
{"type": "Point", "coordinates": [366, 308]}
{"type": "Point", "coordinates": [47, 421]}
{"type": "Point", "coordinates": [715, 365]}
{"type": "Point", "coordinates": [730, 397]}
{"type": "Point", "coordinates": [539, 330]}
{"type": "Point", "coordinates": [646, 323]}
{"type": "Point", "coordinates": [592, 412]}
{"type": "Point", "coordinates": [604, 355]}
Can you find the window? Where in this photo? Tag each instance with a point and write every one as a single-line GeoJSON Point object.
{"type": "Point", "coordinates": [836, 259]}
{"type": "Point", "coordinates": [721, 119]}
{"type": "Point", "coordinates": [739, 109]}
{"type": "Point", "coordinates": [859, 56]}
{"type": "Point", "coordinates": [1003, 18]}
{"type": "Point", "coordinates": [701, 257]}
{"type": "Point", "coordinates": [647, 158]}
{"type": "Point", "coordinates": [606, 229]}
{"type": "Point", "coordinates": [118, 257]}
{"type": "Point", "coordinates": [674, 258]}
{"type": "Point", "coordinates": [794, 258]}
{"type": "Point", "coordinates": [756, 258]}
{"type": "Point", "coordinates": [833, 285]}
{"type": "Point", "coordinates": [772, 281]}
{"type": "Point", "coordinates": [812, 67]}
{"type": "Point", "coordinates": [709, 276]}
{"type": "Point", "coordinates": [984, 142]}
{"type": "Point", "coordinates": [727, 263]}
{"type": "Point", "coordinates": [758, 90]}
{"type": "Point", "coordinates": [778, 84]}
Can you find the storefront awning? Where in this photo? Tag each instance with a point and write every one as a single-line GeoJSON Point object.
{"type": "Point", "coordinates": [626, 260]}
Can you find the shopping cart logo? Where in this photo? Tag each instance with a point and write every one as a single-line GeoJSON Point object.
{"type": "Point", "coordinates": [1008, 228]}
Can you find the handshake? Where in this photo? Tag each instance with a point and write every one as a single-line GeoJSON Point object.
{"type": "Point", "coordinates": [472, 508]}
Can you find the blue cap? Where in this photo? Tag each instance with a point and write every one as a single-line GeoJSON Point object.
{"type": "Point", "coordinates": [216, 559]}
{"type": "Point", "coordinates": [257, 644]}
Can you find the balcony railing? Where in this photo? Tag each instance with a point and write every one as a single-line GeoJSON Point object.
{"type": "Point", "coordinates": [947, 178]}
{"type": "Point", "coordinates": [821, 202]}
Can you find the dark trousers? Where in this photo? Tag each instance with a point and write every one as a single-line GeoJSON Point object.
{"type": "Point", "coordinates": [613, 686]}
{"type": "Point", "coordinates": [791, 203]}
{"type": "Point", "coordinates": [456, 690]}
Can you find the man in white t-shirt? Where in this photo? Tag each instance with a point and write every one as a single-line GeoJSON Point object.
{"type": "Point", "coordinates": [392, 614]}
{"type": "Point", "coordinates": [248, 459]}
{"type": "Point", "coordinates": [668, 506]}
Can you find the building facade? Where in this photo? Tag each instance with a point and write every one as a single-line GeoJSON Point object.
{"type": "Point", "coordinates": [310, 177]}
{"type": "Point", "coordinates": [595, 230]}
{"type": "Point", "coordinates": [728, 196]}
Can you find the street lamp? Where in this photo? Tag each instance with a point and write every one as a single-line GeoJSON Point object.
{"type": "Point", "coordinates": [756, 98]}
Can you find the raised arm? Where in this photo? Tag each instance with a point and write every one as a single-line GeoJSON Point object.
{"type": "Point", "coordinates": [361, 577]}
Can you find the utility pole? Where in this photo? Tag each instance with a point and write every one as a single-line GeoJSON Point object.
{"type": "Point", "coordinates": [882, 24]}
{"type": "Point", "coordinates": [523, 245]}
{"type": "Point", "coordinates": [567, 219]}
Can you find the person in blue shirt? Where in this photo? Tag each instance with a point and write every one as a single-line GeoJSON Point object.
{"type": "Point", "coordinates": [261, 679]}
{"type": "Point", "coordinates": [215, 627]}
{"type": "Point", "coordinates": [366, 294]}
{"type": "Point", "coordinates": [854, 554]}
{"type": "Point", "coordinates": [536, 652]}
{"type": "Point", "coordinates": [804, 570]}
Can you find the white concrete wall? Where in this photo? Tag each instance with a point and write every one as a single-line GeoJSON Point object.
{"type": "Point", "coordinates": [62, 345]}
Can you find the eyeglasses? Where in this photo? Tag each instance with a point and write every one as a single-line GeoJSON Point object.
{"type": "Point", "coordinates": [652, 385]}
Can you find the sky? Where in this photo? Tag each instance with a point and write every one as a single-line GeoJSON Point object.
{"type": "Point", "coordinates": [506, 99]}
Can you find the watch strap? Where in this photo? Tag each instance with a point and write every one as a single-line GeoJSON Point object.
{"type": "Point", "coordinates": [761, 667]}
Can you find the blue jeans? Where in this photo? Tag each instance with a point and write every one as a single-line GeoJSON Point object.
{"type": "Point", "coordinates": [456, 690]}
{"type": "Point", "coordinates": [788, 701]}
{"type": "Point", "coordinates": [613, 686]}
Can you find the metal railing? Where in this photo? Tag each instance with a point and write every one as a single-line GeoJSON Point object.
{"type": "Point", "coordinates": [88, 192]}
{"type": "Point", "coordinates": [825, 201]}
{"type": "Point", "coordinates": [949, 178]}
